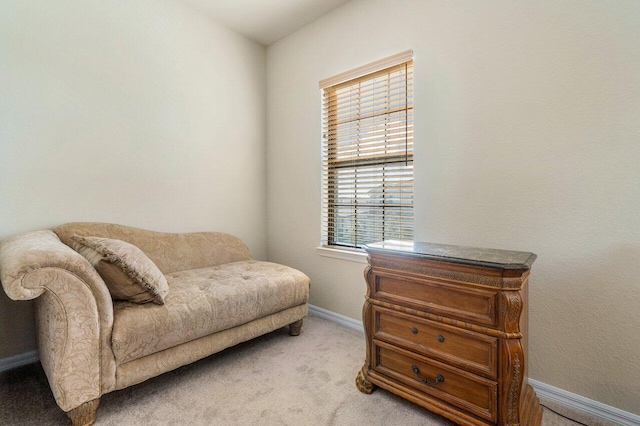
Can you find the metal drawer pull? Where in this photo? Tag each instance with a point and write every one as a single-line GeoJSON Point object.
{"type": "Point", "coordinates": [416, 371]}
{"type": "Point", "coordinates": [414, 330]}
{"type": "Point", "coordinates": [440, 338]}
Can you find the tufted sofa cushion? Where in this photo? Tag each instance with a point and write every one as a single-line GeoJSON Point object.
{"type": "Point", "coordinates": [204, 301]}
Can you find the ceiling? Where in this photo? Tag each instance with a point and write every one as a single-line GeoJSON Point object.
{"type": "Point", "coordinates": [265, 21]}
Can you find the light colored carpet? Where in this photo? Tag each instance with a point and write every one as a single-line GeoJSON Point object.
{"type": "Point", "coordinates": [272, 380]}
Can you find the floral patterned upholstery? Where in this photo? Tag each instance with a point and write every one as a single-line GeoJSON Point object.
{"type": "Point", "coordinates": [204, 301]}
{"type": "Point", "coordinates": [90, 345]}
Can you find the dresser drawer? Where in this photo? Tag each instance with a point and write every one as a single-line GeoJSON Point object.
{"type": "Point", "coordinates": [438, 296]}
{"type": "Point", "coordinates": [469, 392]}
{"type": "Point", "coordinates": [470, 351]}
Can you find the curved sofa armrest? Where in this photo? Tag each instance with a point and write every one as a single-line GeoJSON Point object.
{"type": "Point", "coordinates": [24, 254]}
{"type": "Point", "coordinates": [171, 252]}
{"type": "Point", "coordinates": [73, 310]}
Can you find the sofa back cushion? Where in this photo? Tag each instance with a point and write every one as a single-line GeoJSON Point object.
{"type": "Point", "coordinates": [170, 252]}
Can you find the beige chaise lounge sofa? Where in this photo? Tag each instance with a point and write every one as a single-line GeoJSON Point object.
{"type": "Point", "coordinates": [91, 344]}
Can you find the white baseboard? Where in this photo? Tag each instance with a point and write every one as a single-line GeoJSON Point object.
{"type": "Point", "coordinates": [340, 319]}
{"type": "Point", "coordinates": [18, 360]}
{"type": "Point", "coordinates": [584, 405]}
{"type": "Point", "coordinates": [543, 390]}
{"type": "Point", "coordinates": [571, 400]}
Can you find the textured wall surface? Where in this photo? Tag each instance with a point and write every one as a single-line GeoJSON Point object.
{"type": "Point", "coordinates": [527, 137]}
{"type": "Point", "coordinates": [144, 113]}
{"type": "Point", "coordinates": [148, 114]}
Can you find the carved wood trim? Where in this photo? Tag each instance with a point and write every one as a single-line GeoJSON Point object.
{"type": "Point", "coordinates": [368, 278]}
{"type": "Point", "coordinates": [364, 385]}
{"type": "Point", "coordinates": [512, 377]}
{"type": "Point", "coordinates": [367, 313]}
{"type": "Point", "coordinates": [514, 392]}
{"type": "Point", "coordinates": [511, 310]}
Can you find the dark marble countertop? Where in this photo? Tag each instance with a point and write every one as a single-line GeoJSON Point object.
{"type": "Point", "coordinates": [492, 258]}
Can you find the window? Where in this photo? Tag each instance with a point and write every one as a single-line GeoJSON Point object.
{"type": "Point", "coordinates": [367, 117]}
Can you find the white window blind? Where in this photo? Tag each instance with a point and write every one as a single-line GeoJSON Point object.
{"type": "Point", "coordinates": [368, 154]}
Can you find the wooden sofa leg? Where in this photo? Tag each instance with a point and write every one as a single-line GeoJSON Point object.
{"type": "Point", "coordinates": [294, 328]}
{"type": "Point", "coordinates": [85, 414]}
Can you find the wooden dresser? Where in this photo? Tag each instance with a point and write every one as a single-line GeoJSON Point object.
{"type": "Point", "coordinates": [446, 329]}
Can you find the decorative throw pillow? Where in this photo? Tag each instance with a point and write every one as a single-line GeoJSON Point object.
{"type": "Point", "coordinates": [129, 274]}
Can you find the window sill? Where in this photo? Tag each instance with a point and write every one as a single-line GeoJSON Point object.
{"type": "Point", "coordinates": [359, 256]}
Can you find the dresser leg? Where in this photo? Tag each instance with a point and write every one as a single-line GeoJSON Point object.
{"type": "Point", "coordinates": [530, 408]}
{"type": "Point", "coordinates": [363, 384]}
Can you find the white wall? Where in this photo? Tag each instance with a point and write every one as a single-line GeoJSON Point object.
{"type": "Point", "coordinates": [527, 137]}
{"type": "Point", "coordinates": [143, 113]}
